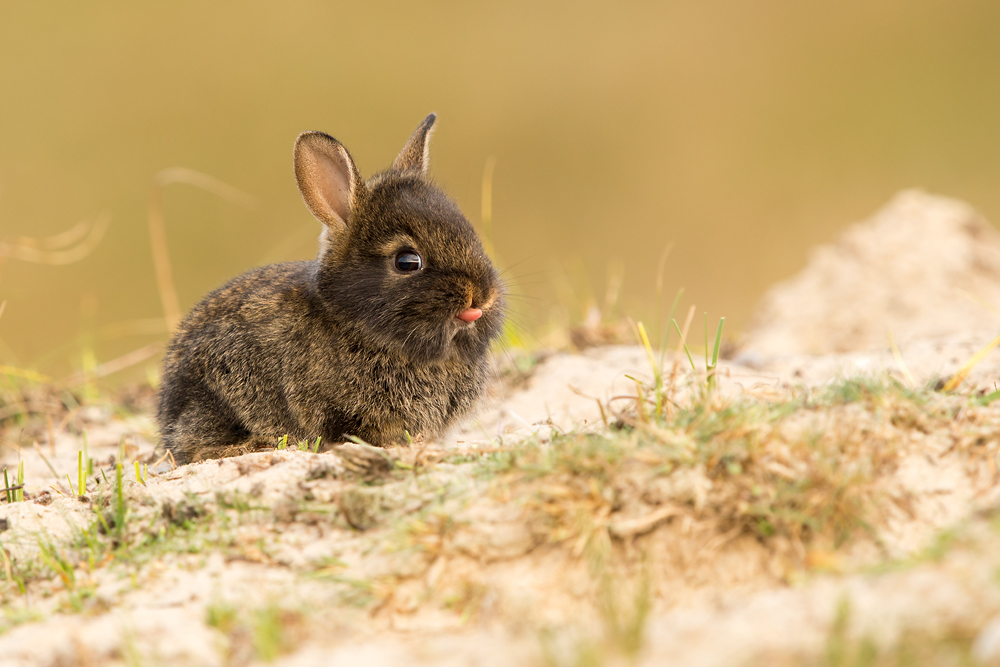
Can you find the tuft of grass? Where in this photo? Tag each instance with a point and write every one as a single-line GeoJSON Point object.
{"type": "Point", "coordinates": [624, 612]}
{"type": "Point", "coordinates": [11, 617]}
{"type": "Point", "coordinates": [847, 646]}
{"type": "Point", "coordinates": [10, 575]}
{"type": "Point", "coordinates": [839, 650]}
{"type": "Point", "coordinates": [623, 603]}
{"type": "Point", "coordinates": [62, 564]}
{"type": "Point", "coordinates": [222, 616]}
{"type": "Point", "coordinates": [15, 493]}
{"type": "Point", "coordinates": [959, 377]}
{"type": "Point", "coordinates": [871, 389]}
{"type": "Point", "coordinates": [658, 400]}
{"type": "Point", "coordinates": [270, 636]}
{"type": "Point", "coordinates": [912, 648]}
{"type": "Point", "coordinates": [269, 632]}
{"type": "Point", "coordinates": [467, 601]}
{"type": "Point", "coordinates": [804, 466]}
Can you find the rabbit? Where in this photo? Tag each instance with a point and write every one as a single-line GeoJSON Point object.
{"type": "Point", "coordinates": [385, 336]}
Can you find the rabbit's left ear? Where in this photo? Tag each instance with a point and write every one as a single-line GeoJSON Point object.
{"type": "Point", "coordinates": [414, 153]}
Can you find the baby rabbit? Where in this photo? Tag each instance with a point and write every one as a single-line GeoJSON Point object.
{"type": "Point", "coordinates": [385, 334]}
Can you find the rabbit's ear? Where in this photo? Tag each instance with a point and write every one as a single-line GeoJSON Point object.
{"type": "Point", "coordinates": [414, 153]}
{"type": "Point", "coordinates": [328, 178]}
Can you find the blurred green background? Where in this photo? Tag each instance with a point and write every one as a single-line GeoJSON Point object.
{"type": "Point", "coordinates": [743, 132]}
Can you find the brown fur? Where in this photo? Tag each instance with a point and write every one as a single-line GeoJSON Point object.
{"type": "Point", "coordinates": [347, 344]}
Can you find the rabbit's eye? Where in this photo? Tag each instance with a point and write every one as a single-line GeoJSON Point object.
{"type": "Point", "coordinates": [408, 261]}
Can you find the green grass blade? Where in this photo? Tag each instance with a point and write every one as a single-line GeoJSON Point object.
{"type": "Point", "coordinates": [677, 301]}
{"type": "Point", "coordinates": [120, 497]}
{"type": "Point", "coordinates": [988, 398]}
{"type": "Point", "coordinates": [640, 401]}
{"type": "Point", "coordinates": [706, 341]}
{"type": "Point", "coordinates": [718, 342]}
{"type": "Point", "coordinates": [684, 343]}
{"type": "Point", "coordinates": [644, 339]}
{"type": "Point", "coordinates": [666, 334]}
{"type": "Point", "coordinates": [710, 377]}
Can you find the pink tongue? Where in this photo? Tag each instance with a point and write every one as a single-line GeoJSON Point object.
{"type": "Point", "coordinates": [470, 314]}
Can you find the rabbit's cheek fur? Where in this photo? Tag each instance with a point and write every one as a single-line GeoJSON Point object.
{"type": "Point", "coordinates": [414, 314]}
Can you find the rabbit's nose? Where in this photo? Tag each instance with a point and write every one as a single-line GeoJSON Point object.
{"type": "Point", "coordinates": [470, 314]}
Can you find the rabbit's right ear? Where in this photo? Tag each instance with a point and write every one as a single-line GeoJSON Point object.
{"type": "Point", "coordinates": [328, 178]}
{"type": "Point", "coordinates": [414, 153]}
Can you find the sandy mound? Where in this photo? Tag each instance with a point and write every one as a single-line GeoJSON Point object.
{"type": "Point", "coordinates": [923, 267]}
{"type": "Point", "coordinates": [509, 543]}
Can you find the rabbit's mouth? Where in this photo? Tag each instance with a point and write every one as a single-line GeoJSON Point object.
{"type": "Point", "coordinates": [469, 315]}
{"type": "Point", "coordinates": [468, 321]}
{"type": "Point", "coordinates": [475, 309]}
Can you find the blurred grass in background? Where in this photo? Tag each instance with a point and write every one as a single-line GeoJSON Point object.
{"type": "Point", "coordinates": [743, 132]}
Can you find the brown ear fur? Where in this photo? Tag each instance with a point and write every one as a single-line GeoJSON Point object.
{"type": "Point", "coordinates": [327, 177]}
{"type": "Point", "coordinates": [414, 153]}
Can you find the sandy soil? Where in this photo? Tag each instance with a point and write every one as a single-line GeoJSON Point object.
{"type": "Point", "coordinates": [487, 589]}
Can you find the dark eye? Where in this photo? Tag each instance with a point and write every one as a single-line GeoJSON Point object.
{"type": "Point", "coordinates": [408, 261]}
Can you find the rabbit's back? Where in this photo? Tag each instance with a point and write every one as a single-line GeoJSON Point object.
{"type": "Point", "coordinates": [227, 357]}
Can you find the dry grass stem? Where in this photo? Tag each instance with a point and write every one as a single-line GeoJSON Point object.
{"type": "Point", "coordinates": [121, 363]}
{"type": "Point", "coordinates": [157, 228]}
{"type": "Point", "coordinates": [53, 250]}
